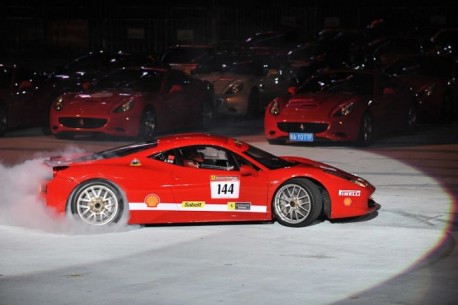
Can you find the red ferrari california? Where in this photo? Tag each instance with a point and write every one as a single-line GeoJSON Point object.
{"type": "Point", "coordinates": [342, 106]}
{"type": "Point", "coordinates": [135, 102]}
{"type": "Point", "coordinates": [188, 178]}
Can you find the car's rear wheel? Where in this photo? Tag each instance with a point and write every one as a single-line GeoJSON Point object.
{"type": "Point", "coordinates": [206, 114]}
{"type": "Point", "coordinates": [297, 203]}
{"type": "Point", "coordinates": [254, 102]}
{"type": "Point", "coordinates": [148, 125]}
{"type": "Point", "coordinates": [447, 111]}
{"type": "Point", "coordinates": [97, 202]}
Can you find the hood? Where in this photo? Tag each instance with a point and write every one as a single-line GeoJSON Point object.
{"type": "Point", "coordinates": [321, 166]}
{"type": "Point", "coordinates": [220, 80]}
{"type": "Point", "coordinates": [96, 100]}
{"type": "Point", "coordinates": [419, 81]}
{"type": "Point", "coordinates": [322, 102]}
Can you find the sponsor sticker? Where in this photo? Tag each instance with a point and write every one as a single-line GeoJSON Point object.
{"type": "Point", "coordinates": [223, 178]}
{"type": "Point", "coordinates": [135, 162]}
{"type": "Point", "coordinates": [349, 193]}
{"type": "Point", "coordinates": [225, 189]}
{"type": "Point", "coordinates": [347, 202]}
{"type": "Point", "coordinates": [152, 200]}
{"type": "Point", "coordinates": [193, 204]}
{"type": "Point", "coordinates": [245, 206]}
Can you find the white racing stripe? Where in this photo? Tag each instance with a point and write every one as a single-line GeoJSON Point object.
{"type": "Point", "coordinates": [205, 207]}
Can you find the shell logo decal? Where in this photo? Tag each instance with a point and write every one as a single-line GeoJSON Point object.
{"type": "Point", "coordinates": [347, 201]}
{"type": "Point", "coordinates": [152, 200]}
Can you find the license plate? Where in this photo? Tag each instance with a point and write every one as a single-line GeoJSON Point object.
{"type": "Point", "coordinates": [301, 137]}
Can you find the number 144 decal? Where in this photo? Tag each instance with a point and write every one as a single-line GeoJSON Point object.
{"type": "Point", "coordinates": [225, 189]}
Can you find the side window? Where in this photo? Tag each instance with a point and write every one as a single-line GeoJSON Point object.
{"type": "Point", "coordinates": [175, 79]}
{"type": "Point", "coordinates": [205, 157]}
{"type": "Point", "coordinates": [169, 156]}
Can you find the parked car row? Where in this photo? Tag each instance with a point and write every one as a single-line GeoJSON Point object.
{"type": "Point", "coordinates": [343, 85]}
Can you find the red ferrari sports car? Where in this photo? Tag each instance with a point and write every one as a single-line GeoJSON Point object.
{"type": "Point", "coordinates": [187, 178]}
{"type": "Point", "coordinates": [344, 106]}
{"type": "Point", "coordinates": [132, 102]}
{"type": "Point", "coordinates": [434, 79]}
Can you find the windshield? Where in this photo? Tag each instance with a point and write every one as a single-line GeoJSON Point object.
{"type": "Point", "coordinates": [118, 151]}
{"type": "Point", "coordinates": [433, 66]}
{"type": "Point", "coordinates": [267, 159]}
{"type": "Point", "coordinates": [339, 82]}
{"type": "Point", "coordinates": [134, 79]}
{"type": "Point", "coordinates": [186, 54]}
{"type": "Point", "coordinates": [231, 64]}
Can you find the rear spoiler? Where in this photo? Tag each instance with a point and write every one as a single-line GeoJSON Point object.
{"type": "Point", "coordinates": [56, 161]}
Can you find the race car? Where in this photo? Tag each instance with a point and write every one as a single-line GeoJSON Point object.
{"type": "Point", "coordinates": [197, 177]}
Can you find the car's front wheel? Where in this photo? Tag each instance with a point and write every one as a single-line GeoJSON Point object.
{"type": "Point", "coordinates": [365, 130]}
{"type": "Point", "coordinates": [297, 203]}
{"type": "Point", "coordinates": [97, 202]}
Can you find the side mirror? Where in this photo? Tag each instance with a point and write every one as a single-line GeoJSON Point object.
{"type": "Point", "coordinates": [292, 90]}
{"type": "Point", "coordinates": [86, 85]}
{"type": "Point", "coordinates": [388, 90]}
{"type": "Point", "coordinates": [246, 170]}
{"type": "Point", "coordinates": [26, 84]}
{"type": "Point", "coordinates": [175, 88]}
{"type": "Point", "coordinates": [272, 72]}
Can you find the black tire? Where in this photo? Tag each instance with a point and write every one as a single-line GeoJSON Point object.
{"type": "Point", "coordinates": [447, 111]}
{"type": "Point", "coordinates": [254, 102]}
{"type": "Point", "coordinates": [366, 130]}
{"type": "Point", "coordinates": [3, 120]}
{"type": "Point", "coordinates": [297, 203]}
{"type": "Point", "coordinates": [97, 202]}
{"type": "Point", "coordinates": [276, 141]}
{"type": "Point", "coordinates": [147, 125]}
{"type": "Point", "coordinates": [64, 136]}
{"type": "Point", "coordinates": [206, 115]}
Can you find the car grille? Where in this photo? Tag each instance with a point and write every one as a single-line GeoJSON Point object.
{"type": "Point", "coordinates": [302, 127]}
{"type": "Point", "coordinates": [82, 122]}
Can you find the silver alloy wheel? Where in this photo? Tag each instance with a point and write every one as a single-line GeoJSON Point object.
{"type": "Point", "coordinates": [292, 203]}
{"type": "Point", "coordinates": [97, 204]}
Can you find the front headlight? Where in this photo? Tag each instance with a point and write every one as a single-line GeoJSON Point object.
{"type": "Point", "coordinates": [125, 107]}
{"type": "Point", "coordinates": [234, 88]}
{"type": "Point", "coordinates": [59, 104]}
{"type": "Point", "coordinates": [344, 109]}
{"type": "Point", "coordinates": [274, 108]}
{"type": "Point", "coordinates": [428, 91]}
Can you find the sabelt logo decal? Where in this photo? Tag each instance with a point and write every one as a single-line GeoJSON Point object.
{"type": "Point", "coordinates": [349, 193]}
{"type": "Point", "coordinates": [152, 200]}
{"type": "Point", "coordinates": [193, 204]}
{"type": "Point", "coordinates": [245, 206]}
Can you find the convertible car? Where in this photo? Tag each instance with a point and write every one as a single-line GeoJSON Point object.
{"type": "Point", "coordinates": [186, 178]}
{"type": "Point", "coordinates": [134, 102]}
{"type": "Point", "coordinates": [341, 106]}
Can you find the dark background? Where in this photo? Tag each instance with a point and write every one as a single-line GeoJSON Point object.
{"type": "Point", "coordinates": [35, 30]}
